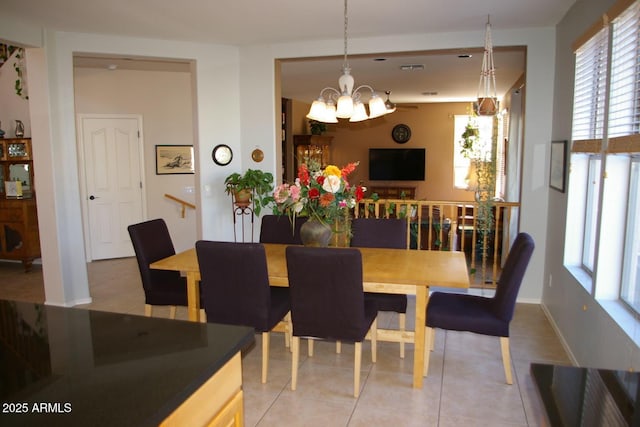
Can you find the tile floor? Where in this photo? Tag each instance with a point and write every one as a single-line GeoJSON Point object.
{"type": "Point", "coordinates": [465, 386]}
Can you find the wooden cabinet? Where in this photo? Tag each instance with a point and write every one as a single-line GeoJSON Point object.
{"type": "Point", "coordinates": [218, 403]}
{"type": "Point", "coordinates": [314, 148]}
{"type": "Point", "coordinates": [19, 236]}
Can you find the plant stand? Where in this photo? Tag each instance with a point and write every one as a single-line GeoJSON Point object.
{"type": "Point", "coordinates": [242, 212]}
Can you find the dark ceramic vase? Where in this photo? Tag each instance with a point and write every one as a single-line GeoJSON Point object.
{"type": "Point", "coordinates": [315, 233]}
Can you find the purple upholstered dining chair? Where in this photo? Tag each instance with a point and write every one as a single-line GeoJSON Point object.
{"type": "Point", "coordinates": [279, 229]}
{"type": "Point", "coordinates": [482, 315]}
{"type": "Point", "coordinates": [152, 242]}
{"type": "Point", "coordinates": [327, 302]}
{"type": "Point", "coordinates": [235, 288]}
{"type": "Point", "coordinates": [383, 233]}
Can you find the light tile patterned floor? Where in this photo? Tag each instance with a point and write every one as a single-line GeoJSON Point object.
{"type": "Point", "coordinates": [465, 386]}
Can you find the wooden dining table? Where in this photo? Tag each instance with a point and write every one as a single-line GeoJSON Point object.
{"type": "Point", "coordinates": [396, 271]}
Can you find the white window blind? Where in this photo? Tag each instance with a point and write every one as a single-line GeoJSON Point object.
{"type": "Point", "coordinates": [623, 103]}
{"type": "Point", "coordinates": [590, 88]}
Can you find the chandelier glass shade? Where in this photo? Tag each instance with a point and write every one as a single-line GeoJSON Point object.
{"type": "Point", "coordinates": [345, 102]}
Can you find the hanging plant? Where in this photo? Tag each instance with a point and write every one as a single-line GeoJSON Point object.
{"type": "Point", "coordinates": [470, 137]}
{"type": "Point", "coordinates": [19, 67]}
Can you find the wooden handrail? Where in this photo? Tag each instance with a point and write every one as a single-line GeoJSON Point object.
{"type": "Point", "coordinates": [450, 225]}
{"type": "Point", "coordinates": [184, 204]}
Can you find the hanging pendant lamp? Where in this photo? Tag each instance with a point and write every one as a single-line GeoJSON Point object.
{"type": "Point", "coordinates": [345, 102]}
{"type": "Point", "coordinates": [487, 92]}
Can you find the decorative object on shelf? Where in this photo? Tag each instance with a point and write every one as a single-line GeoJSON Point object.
{"type": "Point", "coordinates": [349, 105]}
{"type": "Point", "coordinates": [174, 159]}
{"type": "Point", "coordinates": [316, 127]}
{"type": "Point", "coordinates": [13, 188]}
{"type": "Point", "coordinates": [401, 133]}
{"type": "Point", "coordinates": [222, 154]}
{"type": "Point", "coordinates": [258, 184]}
{"type": "Point", "coordinates": [1, 132]}
{"type": "Point", "coordinates": [257, 155]}
{"type": "Point", "coordinates": [19, 129]}
{"type": "Point", "coordinates": [487, 93]}
{"type": "Point", "coordinates": [324, 195]}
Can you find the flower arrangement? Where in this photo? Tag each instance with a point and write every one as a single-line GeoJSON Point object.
{"type": "Point", "coordinates": [322, 194]}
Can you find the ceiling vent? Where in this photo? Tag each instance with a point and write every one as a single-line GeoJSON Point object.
{"type": "Point", "coordinates": [412, 67]}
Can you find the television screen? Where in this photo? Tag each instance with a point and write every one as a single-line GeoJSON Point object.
{"type": "Point", "coordinates": [397, 164]}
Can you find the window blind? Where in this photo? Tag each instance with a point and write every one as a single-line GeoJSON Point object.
{"type": "Point", "coordinates": [590, 88]}
{"type": "Point", "coordinates": [624, 97]}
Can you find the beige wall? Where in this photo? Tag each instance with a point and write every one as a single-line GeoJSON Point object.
{"type": "Point", "coordinates": [431, 128]}
{"type": "Point", "coordinates": [164, 101]}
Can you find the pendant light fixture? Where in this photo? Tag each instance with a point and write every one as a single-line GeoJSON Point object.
{"type": "Point", "coordinates": [345, 102]}
{"type": "Point", "coordinates": [487, 93]}
{"type": "Point", "coordinates": [390, 106]}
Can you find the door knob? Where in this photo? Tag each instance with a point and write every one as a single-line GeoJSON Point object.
{"type": "Point", "coordinates": [92, 197]}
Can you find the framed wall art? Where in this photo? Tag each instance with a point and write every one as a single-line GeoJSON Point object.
{"type": "Point", "coordinates": [558, 161]}
{"type": "Point", "coordinates": [174, 159]}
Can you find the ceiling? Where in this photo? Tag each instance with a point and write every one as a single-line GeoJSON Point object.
{"type": "Point", "coordinates": [244, 22]}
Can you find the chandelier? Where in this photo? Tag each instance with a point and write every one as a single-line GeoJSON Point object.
{"type": "Point", "coordinates": [349, 105]}
{"type": "Point", "coordinates": [487, 93]}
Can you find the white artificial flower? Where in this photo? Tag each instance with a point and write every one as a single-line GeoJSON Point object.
{"type": "Point", "coordinates": [332, 184]}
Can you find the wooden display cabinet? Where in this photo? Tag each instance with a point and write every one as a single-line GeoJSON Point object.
{"type": "Point", "coordinates": [19, 234]}
{"type": "Point", "coordinates": [311, 147]}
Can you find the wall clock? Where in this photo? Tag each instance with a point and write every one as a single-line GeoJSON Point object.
{"type": "Point", "coordinates": [222, 154]}
{"type": "Point", "coordinates": [401, 133]}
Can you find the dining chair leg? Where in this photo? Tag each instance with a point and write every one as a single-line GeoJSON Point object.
{"type": "Point", "coordinates": [402, 324]}
{"type": "Point", "coordinates": [428, 344]}
{"type": "Point", "coordinates": [295, 346]}
{"type": "Point", "coordinates": [287, 330]}
{"type": "Point", "coordinates": [265, 356]}
{"type": "Point", "coordinates": [203, 316]}
{"type": "Point", "coordinates": [310, 347]}
{"type": "Point", "coordinates": [172, 312]}
{"type": "Point", "coordinates": [374, 340]}
{"type": "Point", "coordinates": [338, 347]}
{"type": "Point", "coordinates": [148, 309]}
{"type": "Point", "coordinates": [433, 338]}
{"type": "Point", "coordinates": [506, 358]}
{"type": "Point", "coordinates": [356, 369]}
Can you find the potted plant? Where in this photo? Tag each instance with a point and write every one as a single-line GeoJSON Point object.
{"type": "Point", "coordinates": [253, 186]}
{"type": "Point", "coordinates": [316, 127]}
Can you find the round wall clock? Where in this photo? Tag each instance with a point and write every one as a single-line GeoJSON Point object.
{"type": "Point", "coordinates": [401, 133]}
{"type": "Point", "coordinates": [222, 154]}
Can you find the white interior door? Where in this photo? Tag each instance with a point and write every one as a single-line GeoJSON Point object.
{"type": "Point", "coordinates": [113, 175]}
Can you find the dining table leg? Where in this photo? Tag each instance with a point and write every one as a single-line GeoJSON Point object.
{"type": "Point", "coordinates": [193, 297]}
{"type": "Point", "coordinates": [419, 341]}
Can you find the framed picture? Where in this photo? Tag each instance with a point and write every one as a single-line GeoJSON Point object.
{"type": "Point", "coordinates": [174, 159]}
{"type": "Point", "coordinates": [558, 161]}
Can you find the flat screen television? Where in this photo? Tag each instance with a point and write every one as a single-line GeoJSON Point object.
{"type": "Point", "coordinates": [397, 164]}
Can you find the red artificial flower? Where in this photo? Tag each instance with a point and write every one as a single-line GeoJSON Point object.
{"type": "Point", "coordinates": [326, 199]}
{"type": "Point", "coordinates": [320, 179]}
{"type": "Point", "coordinates": [359, 193]}
{"type": "Point", "coordinates": [348, 169]}
{"type": "Point", "coordinates": [303, 174]}
{"type": "Point", "coordinates": [314, 193]}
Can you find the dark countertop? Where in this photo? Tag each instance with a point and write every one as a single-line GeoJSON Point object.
{"type": "Point", "coordinates": [67, 366]}
{"type": "Point", "coordinates": [574, 396]}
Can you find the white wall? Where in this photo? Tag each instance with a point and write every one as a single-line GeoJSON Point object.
{"type": "Point", "coordinates": [163, 99]}
{"type": "Point", "coordinates": [587, 329]}
{"type": "Point", "coordinates": [245, 80]}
